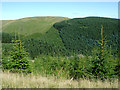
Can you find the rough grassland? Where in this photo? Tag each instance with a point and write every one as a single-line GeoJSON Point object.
{"type": "Point", "coordinates": [10, 80]}
{"type": "Point", "coordinates": [30, 25]}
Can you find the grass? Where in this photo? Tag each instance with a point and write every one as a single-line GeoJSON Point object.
{"type": "Point", "coordinates": [30, 25]}
{"type": "Point", "coordinates": [12, 80]}
{"type": "Point", "coordinates": [52, 37]}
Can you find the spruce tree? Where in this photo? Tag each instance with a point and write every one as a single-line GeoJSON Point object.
{"type": "Point", "coordinates": [18, 58]}
{"type": "Point", "coordinates": [103, 62]}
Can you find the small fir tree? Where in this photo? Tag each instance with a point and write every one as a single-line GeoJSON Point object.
{"type": "Point", "coordinates": [103, 63]}
{"type": "Point", "coordinates": [18, 58]}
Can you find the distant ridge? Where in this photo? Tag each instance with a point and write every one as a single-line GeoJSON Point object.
{"type": "Point", "coordinates": [30, 25]}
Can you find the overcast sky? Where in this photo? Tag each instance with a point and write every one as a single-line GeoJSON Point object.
{"type": "Point", "coordinates": [16, 10]}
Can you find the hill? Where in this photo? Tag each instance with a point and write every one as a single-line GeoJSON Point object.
{"type": "Point", "coordinates": [62, 36]}
{"type": "Point", "coordinates": [37, 33]}
{"type": "Point", "coordinates": [81, 34]}
{"type": "Point", "coordinates": [30, 25]}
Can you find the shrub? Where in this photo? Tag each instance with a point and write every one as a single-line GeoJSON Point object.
{"type": "Point", "coordinates": [78, 67]}
{"type": "Point", "coordinates": [68, 67]}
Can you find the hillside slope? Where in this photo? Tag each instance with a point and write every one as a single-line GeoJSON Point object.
{"type": "Point", "coordinates": [31, 25]}
{"type": "Point", "coordinates": [81, 34]}
{"type": "Point", "coordinates": [59, 35]}
{"type": "Point", "coordinates": [37, 33]}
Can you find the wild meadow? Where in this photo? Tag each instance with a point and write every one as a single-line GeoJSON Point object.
{"type": "Point", "coordinates": [15, 80]}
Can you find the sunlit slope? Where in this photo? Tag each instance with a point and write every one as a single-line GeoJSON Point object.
{"type": "Point", "coordinates": [5, 22]}
{"type": "Point", "coordinates": [31, 25]}
{"type": "Point", "coordinates": [52, 37]}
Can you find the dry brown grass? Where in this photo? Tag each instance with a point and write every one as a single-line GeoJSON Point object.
{"type": "Point", "coordinates": [10, 80]}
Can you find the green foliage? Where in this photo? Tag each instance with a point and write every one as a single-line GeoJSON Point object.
{"type": "Point", "coordinates": [46, 65]}
{"type": "Point", "coordinates": [38, 47]}
{"type": "Point", "coordinates": [7, 37]}
{"type": "Point", "coordinates": [80, 34]}
{"type": "Point", "coordinates": [6, 48]}
{"type": "Point", "coordinates": [78, 67]}
{"type": "Point", "coordinates": [17, 60]}
{"type": "Point", "coordinates": [105, 67]}
{"type": "Point", "coordinates": [68, 67]}
{"type": "Point", "coordinates": [103, 62]}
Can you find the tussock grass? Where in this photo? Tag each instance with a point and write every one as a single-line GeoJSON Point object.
{"type": "Point", "coordinates": [12, 80]}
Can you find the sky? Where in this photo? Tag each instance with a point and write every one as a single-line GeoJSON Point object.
{"type": "Point", "coordinates": [16, 10]}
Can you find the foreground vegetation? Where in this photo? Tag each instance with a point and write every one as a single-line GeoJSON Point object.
{"type": "Point", "coordinates": [14, 80]}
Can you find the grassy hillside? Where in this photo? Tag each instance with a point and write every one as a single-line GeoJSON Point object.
{"type": "Point", "coordinates": [5, 22]}
{"type": "Point", "coordinates": [37, 33]}
{"type": "Point", "coordinates": [31, 25]}
{"type": "Point", "coordinates": [81, 34]}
